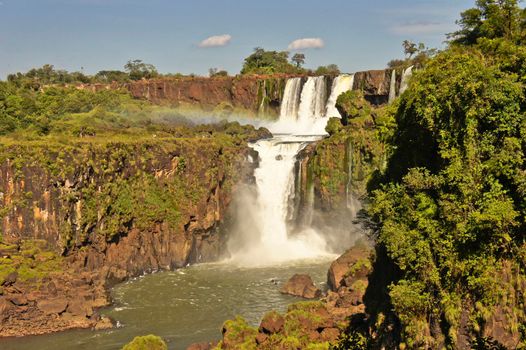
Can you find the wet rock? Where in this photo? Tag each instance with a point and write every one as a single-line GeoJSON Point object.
{"type": "Point", "coordinates": [53, 306]}
{"type": "Point", "coordinates": [272, 323]}
{"type": "Point", "coordinates": [301, 285]}
{"type": "Point", "coordinates": [103, 323]}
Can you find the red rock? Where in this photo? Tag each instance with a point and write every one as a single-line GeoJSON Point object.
{"type": "Point", "coordinates": [18, 299]}
{"type": "Point", "coordinates": [5, 307]}
{"type": "Point", "coordinates": [330, 334]}
{"type": "Point", "coordinates": [340, 267]}
{"type": "Point", "coordinates": [301, 286]}
{"type": "Point", "coordinates": [53, 306]}
{"type": "Point", "coordinates": [261, 338]}
{"type": "Point", "coordinates": [272, 323]}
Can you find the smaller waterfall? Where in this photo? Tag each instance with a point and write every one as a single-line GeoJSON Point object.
{"type": "Point", "coordinates": [405, 79]}
{"type": "Point", "coordinates": [341, 84]}
{"type": "Point", "coordinates": [348, 190]}
{"type": "Point", "coordinates": [392, 88]}
{"type": "Point", "coordinates": [291, 99]}
{"type": "Point", "coordinates": [313, 98]}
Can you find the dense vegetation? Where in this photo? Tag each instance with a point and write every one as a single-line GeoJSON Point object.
{"type": "Point", "coordinates": [277, 62]}
{"type": "Point", "coordinates": [451, 209]}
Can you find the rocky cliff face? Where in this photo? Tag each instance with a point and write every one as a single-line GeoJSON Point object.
{"type": "Point", "coordinates": [104, 212]}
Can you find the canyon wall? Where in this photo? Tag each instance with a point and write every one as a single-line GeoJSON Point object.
{"type": "Point", "coordinates": [257, 94]}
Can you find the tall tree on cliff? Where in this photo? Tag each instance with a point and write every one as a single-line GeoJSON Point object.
{"type": "Point", "coordinates": [299, 59]}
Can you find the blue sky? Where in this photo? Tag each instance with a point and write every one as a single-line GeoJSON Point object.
{"type": "Point", "coordinates": [104, 34]}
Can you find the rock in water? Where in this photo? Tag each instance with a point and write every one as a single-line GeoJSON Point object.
{"type": "Point", "coordinates": [340, 268]}
{"type": "Point", "coordinates": [301, 285]}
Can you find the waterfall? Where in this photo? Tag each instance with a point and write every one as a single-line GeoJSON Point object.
{"type": "Point", "coordinates": [263, 235]}
{"type": "Point", "coordinates": [348, 190]}
{"type": "Point", "coordinates": [270, 241]}
{"type": "Point", "coordinates": [392, 88]}
{"type": "Point", "coordinates": [313, 98]}
{"type": "Point", "coordinates": [291, 99]}
{"type": "Point", "coordinates": [405, 79]}
{"type": "Point", "coordinates": [341, 84]}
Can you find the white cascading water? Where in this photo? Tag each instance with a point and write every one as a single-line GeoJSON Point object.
{"type": "Point", "coordinates": [291, 99]}
{"type": "Point", "coordinates": [392, 88]}
{"type": "Point", "coordinates": [341, 84]}
{"type": "Point", "coordinates": [270, 242]}
{"type": "Point", "coordinates": [405, 79]}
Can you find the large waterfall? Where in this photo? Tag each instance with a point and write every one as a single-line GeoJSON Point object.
{"type": "Point", "coordinates": [265, 211]}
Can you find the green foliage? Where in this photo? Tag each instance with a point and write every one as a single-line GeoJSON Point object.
{"type": "Point", "coordinates": [452, 207]}
{"type": "Point", "coordinates": [334, 125]}
{"type": "Point", "coordinates": [47, 75]}
{"type": "Point", "coordinates": [491, 19]}
{"type": "Point", "coordinates": [330, 69]}
{"type": "Point", "coordinates": [268, 62]}
{"type": "Point", "coordinates": [298, 59]}
{"type": "Point", "coordinates": [353, 105]}
{"type": "Point", "coordinates": [147, 342]}
{"type": "Point", "coordinates": [138, 70]}
{"type": "Point", "coordinates": [416, 55]}
{"type": "Point", "coordinates": [32, 260]}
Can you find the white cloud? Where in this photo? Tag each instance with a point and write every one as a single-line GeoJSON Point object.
{"type": "Point", "coordinates": [414, 28]}
{"type": "Point", "coordinates": [306, 43]}
{"type": "Point", "coordinates": [216, 41]}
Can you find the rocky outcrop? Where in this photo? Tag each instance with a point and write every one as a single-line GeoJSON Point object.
{"type": "Point", "coordinates": [304, 324]}
{"type": "Point", "coordinates": [301, 285]}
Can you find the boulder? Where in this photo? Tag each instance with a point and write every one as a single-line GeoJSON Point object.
{"type": "Point", "coordinates": [301, 285]}
{"type": "Point", "coordinates": [53, 306]}
{"type": "Point", "coordinates": [79, 308]}
{"type": "Point", "coordinates": [341, 267]}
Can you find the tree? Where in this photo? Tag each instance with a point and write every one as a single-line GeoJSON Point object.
{"type": "Point", "coordinates": [268, 62]}
{"type": "Point", "coordinates": [490, 19]}
{"type": "Point", "coordinates": [214, 72]}
{"type": "Point", "coordinates": [137, 70]}
{"type": "Point", "coordinates": [109, 76]}
{"type": "Point", "coordinates": [299, 59]}
{"type": "Point", "coordinates": [330, 69]}
{"type": "Point", "coordinates": [410, 48]}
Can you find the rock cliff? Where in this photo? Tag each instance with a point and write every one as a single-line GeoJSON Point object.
{"type": "Point", "coordinates": [105, 211]}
